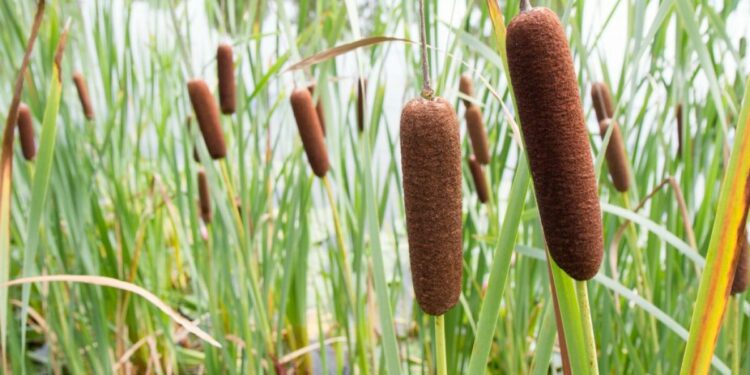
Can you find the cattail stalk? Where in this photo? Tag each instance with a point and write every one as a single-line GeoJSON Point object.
{"type": "Point", "coordinates": [207, 114]}
{"type": "Point", "coordinates": [549, 107]}
{"type": "Point", "coordinates": [318, 109]}
{"type": "Point", "coordinates": [227, 85]}
{"type": "Point", "coordinates": [617, 158]}
{"type": "Point", "coordinates": [26, 132]}
{"type": "Point", "coordinates": [480, 181]}
{"type": "Point", "coordinates": [361, 91]}
{"type": "Point", "coordinates": [204, 200]}
{"type": "Point", "coordinates": [478, 134]}
{"type": "Point", "coordinates": [83, 95]}
{"type": "Point", "coordinates": [678, 116]}
{"type": "Point", "coordinates": [310, 131]}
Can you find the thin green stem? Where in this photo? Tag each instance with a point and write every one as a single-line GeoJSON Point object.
{"type": "Point", "coordinates": [736, 332]}
{"type": "Point", "coordinates": [588, 328]}
{"type": "Point", "coordinates": [440, 362]}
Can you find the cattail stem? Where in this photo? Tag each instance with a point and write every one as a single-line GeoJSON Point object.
{"type": "Point", "coordinates": [588, 329]}
{"type": "Point", "coordinates": [426, 86]}
{"type": "Point", "coordinates": [440, 361]}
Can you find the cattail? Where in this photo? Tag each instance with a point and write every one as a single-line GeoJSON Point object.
{"type": "Point", "coordinates": [361, 91]}
{"type": "Point", "coordinates": [602, 100]}
{"type": "Point", "coordinates": [204, 201]}
{"type": "Point", "coordinates": [741, 276]}
{"type": "Point", "coordinates": [617, 158]}
{"type": "Point", "coordinates": [431, 164]}
{"type": "Point", "coordinates": [549, 106]}
{"type": "Point", "coordinates": [466, 87]}
{"type": "Point", "coordinates": [207, 114]}
{"type": "Point", "coordinates": [310, 131]}
{"type": "Point", "coordinates": [83, 95]}
{"type": "Point", "coordinates": [225, 66]}
{"type": "Point", "coordinates": [26, 132]}
{"type": "Point", "coordinates": [678, 116]}
{"type": "Point", "coordinates": [477, 134]}
{"type": "Point", "coordinates": [318, 109]}
{"type": "Point", "coordinates": [480, 182]}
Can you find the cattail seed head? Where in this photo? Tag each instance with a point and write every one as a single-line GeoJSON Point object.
{"type": "Point", "coordinates": [204, 200]}
{"type": "Point", "coordinates": [480, 181]}
{"type": "Point", "coordinates": [431, 164]}
{"type": "Point", "coordinates": [741, 276]}
{"type": "Point", "coordinates": [26, 132]}
{"type": "Point", "coordinates": [617, 158]}
{"type": "Point", "coordinates": [361, 91]}
{"type": "Point", "coordinates": [477, 134]}
{"type": "Point", "coordinates": [552, 122]}
{"type": "Point", "coordinates": [310, 131]}
{"type": "Point", "coordinates": [227, 86]}
{"type": "Point", "coordinates": [207, 114]}
{"type": "Point", "coordinates": [318, 109]}
{"type": "Point", "coordinates": [83, 95]}
{"type": "Point", "coordinates": [678, 116]}
{"type": "Point", "coordinates": [466, 87]}
{"type": "Point", "coordinates": [602, 100]}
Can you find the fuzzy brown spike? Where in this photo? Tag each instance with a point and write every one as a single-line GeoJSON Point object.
{"type": "Point", "coordinates": [617, 158]}
{"type": "Point", "coordinates": [83, 95]}
{"type": "Point", "coordinates": [207, 114]}
{"type": "Point", "coordinates": [549, 106]}
{"type": "Point", "coordinates": [466, 87]}
{"type": "Point", "coordinates": [361, 91]}
{"type": "Point", "coordinates": [478, 134]}
{"type": "Point", "coordinates": [310, 131]}
{"type": "Point", "coordinates": [227, 86]}
{"type": "Point", "coordinates": [26, 132]}
{"type": "Point", "coordinates": [204, 199]}
{"type": "Point", "coordinates": [318, 109]}
{"type": "Point", "coordinates": [431, 164]}
{"type": "Point", "coordinates": [678, 116]}
{"type": "Point", "coordinates": [602, 100]}
{"type": "Point", "coordinates": [480, 181]}
{"type": "Point", "coordinates": [741, 276]}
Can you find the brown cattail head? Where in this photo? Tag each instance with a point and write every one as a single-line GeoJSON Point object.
{"type": "Point", "coordinates": [207, 114]}
{"type": "Point", "coordinates": [602, 100]}
{"type": "Point", "coordinates": [318, 109]}
{"type": "Point", "coordinates": [678, 116]}
{"type": "Point", "coordinates": [431, 164]}
{"type": "Point", "coordinates": [477, 134]}
{"type": "Point", "coordinates": [549, 106]}
{"type": "Point", "coordinates": [617, 158]}
{"type": "Point", "coordinates": [741, 276]}
{"type": "Point", "coordinates": [480, 182]}
{"type": "Point", "coordinates": [83, 95]}
{"type": "Point", "coordinates": [26, 132]}
{"type": "Point", "coordinates": [204, 200]}
{"type": "Point", "coordinates": [227, 87]}
{"type": "Point", "coordinates": [466, 87]}
{"type": "Point", "coordinates": [310, 131]}
{"type": "Point", "coordinates": [361, 91]}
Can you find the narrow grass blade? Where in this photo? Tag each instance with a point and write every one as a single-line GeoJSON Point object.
{"type": "Point", "coordinates": [721, 258]}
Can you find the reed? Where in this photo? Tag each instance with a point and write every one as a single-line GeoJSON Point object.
{"type": "Point", "coordinates": [480, 181]}
{"type": "Point", "coordinates": [678, 117]}
{"type": "Point", "coordinates": [83, 95]}
{"type": "Point", "coordinates": [310, 131]}
{"type": "Point", "coordinates": [617, 158]}
{"type": "Point", "coordinates": [477, 134]}
{"type": "Point", "coordinates": [227, 85]}
{"type": "Point", "coordinates": [207, 114]}
{"type": "Point", "coordinates": [204, 200]}
{"type": "Point", "coordinates": [431, 164]}
{"type": "Point", "coordinates": [26, 132]}
{"type": "Point", "coordinates": [552, 122]}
